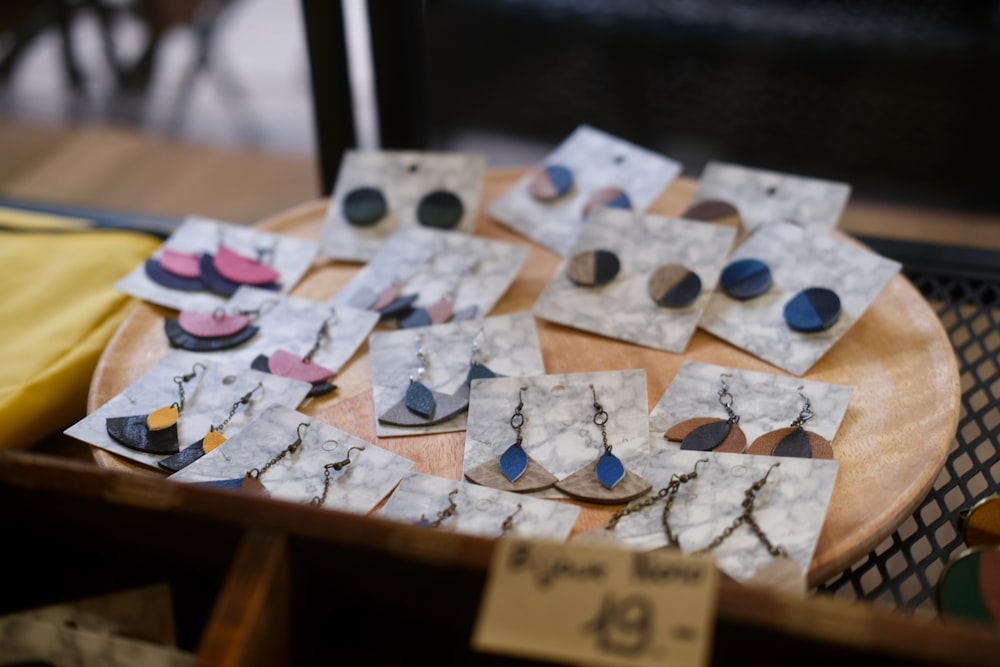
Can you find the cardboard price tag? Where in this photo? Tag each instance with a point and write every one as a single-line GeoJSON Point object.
{"type": "Point", "coordinates": [597, 605]}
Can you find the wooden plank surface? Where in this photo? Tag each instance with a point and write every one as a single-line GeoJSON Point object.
{"type": "Point", "coordinates": [897, 357]}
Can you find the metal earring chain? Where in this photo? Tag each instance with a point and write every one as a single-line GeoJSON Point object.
{"type": "Point", "coordinates": [180, 380]}
{"type": "Point", "coordinates": [668, 492]}
{"type": "Point", "coordinates": [517, 419]}
{"type": "Point", "coordinates": [421, 371]}
{"type": "Point", "coordinates": [255, 473]}
{"type": "Point", "coordinates": [601, 419]}
{"type": "Point", "coordinates": [321, 336]}
{"type": "Point", "coordinates": [726, 399]}
{"type": "Point", "coordinates": [508, 523]}
{"type": "Point", "coordinates": [446, 512]}
{"type": "Point", "coordinates": [746, 516]}
{"type": "Point", "coordinates": [335, 466]}
{"type": "Point", "coordinates": [243, 400]}
{"type": "Point", "coordinates": [806, 413]}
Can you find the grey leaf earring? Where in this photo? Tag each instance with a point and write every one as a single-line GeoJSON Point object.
{"type": "Point", "coordinates": [420, 405]}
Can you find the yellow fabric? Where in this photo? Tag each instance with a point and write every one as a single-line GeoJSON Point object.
{"type": "Point", "coordinates": [58, 309]}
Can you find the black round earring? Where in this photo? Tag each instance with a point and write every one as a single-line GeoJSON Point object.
{"type": "Point", "coordinates": [440, 209]}
{"type": "Point", "coordinates": [363, 207]}
{"type": "Point", "coordinates": [745, 279]}
{"type": "Point", "coordinates": [673, 286]}
{"type": "Point", "coordinates": [813, 309]}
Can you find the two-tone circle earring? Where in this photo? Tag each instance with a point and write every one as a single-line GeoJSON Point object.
{"type": "Point", "coordinates": [364, 206]}
{"type": "Point", "coordinates": [610, 197]}
{"type": "Point", "coordinates": [812, 309]}
{"type": "Point", "coordinates": [551, 182]}
{"type": "Point", "coordinates": [591, 268]}
{"type": "Point", "coordinates": [744, 279]}
{"type": "Point", "coordinates": [713, 210]}
{"type": "Point", "coordinates": [673, 286]}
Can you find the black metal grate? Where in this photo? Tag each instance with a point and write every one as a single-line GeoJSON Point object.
{"type": "Point", "coordinates": [904, 569]}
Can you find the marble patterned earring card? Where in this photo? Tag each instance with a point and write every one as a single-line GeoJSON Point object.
{"type": "Point", "coordinates": [594, 161]}
{"type": "Point", "coordinates": [559, 430]}
{"type": "Point", "coordinates": [624, 308]}
{"type": "Point", "coordinates": [208, 400]}
{"type": "Point", "coordinates": [181, 274]}
{"type": "Point", "coordinates": [798, 259]}
{"type": "Point", "coordinates": [478, 510]}
{"type": "Point", "coordinates": [767, 196]}
{"type": "Point", "coordinates": [293, 324]}
{"type": "Point", "coordinates": [381, 192]}
{"type": "Point", "coordinates": [790, 508]}
{"type": "Point", "coordinates": [300, 476]}
{"type": "Point", "coordinates": [474, 272]}
{"type": "Point", "coordinates": [765, 402]}
{"type": "Point", "coordinates": [508, 345]}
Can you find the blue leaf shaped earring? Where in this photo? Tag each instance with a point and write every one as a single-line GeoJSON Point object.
{"type": "Point", "coordinates": [514, 470]}
{"type": "Point", "coordinates": [606, 480]}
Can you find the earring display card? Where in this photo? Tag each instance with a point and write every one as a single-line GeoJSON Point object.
{"type": "Point", "coordinates": [479, 510]}
{"type": "Point", "coordinates": [765, 402]}
{"type": "Point", "coordinates": [623, 308]}
{"type": "Point", "coordinates": [292, 324]}
{"type": "Point", "coordinates": [473, 271]}
{"type": "Point", "coordinates": [798, 259]}
{"type": "Point", "coordinates": [299, 476]}
{"type": "Point", "coordinates": [208, 400]}
{"type": "Point", "coordinates": [508, 346]}
{"type": "Point", "coordinates": [790, 508]}
{"type": "Point", "coordinates": [404, 179]}
{"type": "Point", "coordinates": [559, 430]}
{"type": "Point", "coordinates": [595, 161]}
{"type": "Point", "coordinates": [763, 196]}
{"type": "Point", "coordinates": [200, 239]}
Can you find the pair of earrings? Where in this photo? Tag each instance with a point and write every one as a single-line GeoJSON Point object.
{"type": "Point", "coordinates": [810, 310]}
{"type": "Point", "coordinates": [669, 493]}
{"type": "Point", "coordinates": [290, 365]}
{"type": "Point", "coordinates": [452, 509]}
{"type": "Point", "coordinates": [222, 272]}
{"type": "Point", "coordinates": [200, 331]}
{"type": "Point", "coordinates": [552, 182]}
{"type": "Point", "coordinates": [669, 286]}
{"type": "Point", "coordinates": [251, 480]}
{"type": "Point", "coordinates": [725, 435]}
{"type": "Point", "coordinates": [421, 405]}
{"type": "Point", "coordinates": [366, 206]}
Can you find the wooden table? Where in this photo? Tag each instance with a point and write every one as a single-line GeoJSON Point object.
{"type": "Point", "coordinates": [897, 357]}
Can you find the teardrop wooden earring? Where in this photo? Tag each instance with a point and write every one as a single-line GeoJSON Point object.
{"type": "Point", "coordinates": [514, 470]}
{"type": "Point", "coordinates": [420, 405]}
{"type": "Point", "coordinates": [794, 440]}
{"type": "Point", "coordinates": [606, 480]}
{"type": "Point", "coordinates": [712, 433]}
{"type": "Point", "coordinates": [210, 441]}
{"type": "Point", "coordinates": [156, 432]}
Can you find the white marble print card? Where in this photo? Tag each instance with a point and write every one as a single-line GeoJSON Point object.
{"type": "Point", "coordinates": [790, 508]}
{"type": "Point", "coordinates": [763, 196]}
{"type": "Point", "coordinates": [645, 247]}
{"type": "Point", "coordinates": [797, 259]}
{"type": "Point", "coordinates": [380, 192]}
{"type": "Point", "coordinates": [764, 402]}
{"type": "Point", "coordinates": [471, 271]}
{"type": "Point", "coordinates": [367, 473]}
{"type": "Point", "coordinates": [476, 510]}
{"type": "Point", "coordinates": [507, 345]}
{"type": "Point", "coordinates": [211, 399]}
{"type": "Point", "coordinates": [296, 326]}
{"type": "Point", "coordinates": [592, 162]}
{"type": "Point", "coordinates": [204, 261]}
{"type": "Point", "coordinates": [559, 430]}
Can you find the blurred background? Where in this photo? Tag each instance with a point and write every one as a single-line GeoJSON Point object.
{"type": "Point", "coordinates": [896, 97]}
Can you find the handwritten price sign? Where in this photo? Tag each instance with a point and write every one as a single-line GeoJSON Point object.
{"type": "Point", "coordinates": [597, 605]}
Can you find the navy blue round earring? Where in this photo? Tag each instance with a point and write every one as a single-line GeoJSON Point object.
{"type": "Point", "coordinates": [813, 309]}
{"type": "Point", "coordinates": [745, 279]}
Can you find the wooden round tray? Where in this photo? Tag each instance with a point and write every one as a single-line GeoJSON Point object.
{"type": "Point", "coordinates": [891, 444]}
